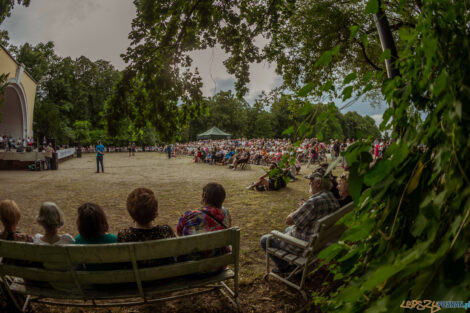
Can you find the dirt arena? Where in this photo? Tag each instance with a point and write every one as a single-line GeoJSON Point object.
{"type": "Point", "coordinates": [177, 184]}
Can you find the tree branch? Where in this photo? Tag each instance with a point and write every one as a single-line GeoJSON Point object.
{"type": "Point", "coordinates": [387, 41]}
{"type": "Point", "coordinates": [366, 57]}
{"type": "Point", "coordinates": [183, 26]}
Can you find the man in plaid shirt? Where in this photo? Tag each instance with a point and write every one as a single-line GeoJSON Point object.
{"type": "Point", "coordinates": [301, 221]}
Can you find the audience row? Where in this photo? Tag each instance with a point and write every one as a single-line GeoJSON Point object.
{"type": "Point", "coordinates": [92, 224]}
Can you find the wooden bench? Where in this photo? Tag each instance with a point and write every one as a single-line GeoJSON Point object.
{"type": "Point", "coordinates": [325, 232]}
{"type": "Point", "coordinates": [137, 285]}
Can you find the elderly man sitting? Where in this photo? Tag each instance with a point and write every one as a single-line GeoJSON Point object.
{"type": "Point", "coordinates": [300, 222]}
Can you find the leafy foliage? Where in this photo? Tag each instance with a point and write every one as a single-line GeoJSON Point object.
{"type": "Point", "coordinates": [409, 232]}
{"type": "Point", "coordinates": [158, 83]}
{"type": "Point", "coordinates": [271, 115]}
{"type": "Point", "coordinates": [70, 94]}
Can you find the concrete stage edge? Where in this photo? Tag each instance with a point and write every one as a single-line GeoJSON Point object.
{"type": "Point", "coordinates": [20, 160]}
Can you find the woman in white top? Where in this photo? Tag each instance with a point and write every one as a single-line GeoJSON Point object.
{"type": "Point", "coordinates": [51, 219]}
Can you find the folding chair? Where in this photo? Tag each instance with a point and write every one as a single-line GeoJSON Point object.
{"type": "Point", "coordinates": [325, 232]}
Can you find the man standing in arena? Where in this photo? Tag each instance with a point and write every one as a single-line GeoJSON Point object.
{"type": "Point", "coordinates": [99, 157]}
{"type": "Point", "coordinates": [169, 148]}
{"type": "Point", "coordinates": [48, 155]}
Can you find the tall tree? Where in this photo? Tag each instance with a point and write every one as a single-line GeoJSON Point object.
{"type": "Point", "coordinates": [68, 91]}
{"type": "Point", "coordinates": [406, 238]}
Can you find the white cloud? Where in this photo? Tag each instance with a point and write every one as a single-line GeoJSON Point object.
{"type": "Point", "coordinates": [377, 118]}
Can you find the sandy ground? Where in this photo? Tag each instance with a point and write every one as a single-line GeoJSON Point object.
{"type": "Point", "coordinates": [177, 184]}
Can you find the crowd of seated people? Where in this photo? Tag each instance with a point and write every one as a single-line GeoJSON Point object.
{"type": "Point", "coordinates": [93, 228]}
{"type": "Point", "coordinates": [234, 152]}
{"type": "Point", "coordinates": [263, 151]}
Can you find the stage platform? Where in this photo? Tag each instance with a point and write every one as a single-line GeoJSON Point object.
{"type": "Point", "coordinates": [10, 160]}
{"type": "Point", "coordinates": [19, 160]}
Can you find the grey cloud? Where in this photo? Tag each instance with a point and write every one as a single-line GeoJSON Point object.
{"type": "Point", "coordinates": [96, 29]}
{"type": "Point", "coordinates": [224, 84]}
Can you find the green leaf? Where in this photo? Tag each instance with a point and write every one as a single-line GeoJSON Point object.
{"type": "Point", "coordinates": [351, 294]}
{"type": "Point", "coordinates": [327, 86]}
{"type": "Point", "coordinates": [320, 136]}
{"type": "Point", "coordinates": [288, 131]}
{"type": "Point", "coordinates": [386, 54]}
{"type": "Point", "coordinates": [456, 224]}
{"type": "Point", "coordinates": [372, 7]}
{"type": "Point", "coordinates": [347, 92]}
{"type": "Point", "coordinates": [415, 179]}
{"type": "Point", "coordinates": [382, 274]}
{"type": "Point", "coordinates": [367, 77]}
{"type": "Point", "coordinates": [419, 225]}
{"type": "Point", "coordinates": [358, 232]}
{"type": "Point", "coordinates": [429, 47]}
{"type": "Point", "coordinates": [355, 183]}
{"type": "Point", "coordinates": [439, 84]}
{"type": "Point", "coordinates": [335, 50]}
{"type": "Point", "coordinates": [406, 34]}
{"type": "Point", "coordinates": [350, 254]}
{"type": "Point", "coordinates": [325, 59]}
{"type": "Point", "coordinates": [367, 88]}
{"type": "Point", "coordinates": [353, 30]}
{"type": "Point", "coordinates": [364, 40]}
{"type": "Point", "coordinates": [330, 252]}
{"type": "Point", "coordinates": [305, 90]}
{"type": "Point", "coordinates": [322, 116]}
{"type": "Point", "coordinates": [306, 108]}
{"type": "Point", "coordinates": [378, 173]}
{"type": "Point", "coordinates": [386, 117]}
{"type": "Point", "coordinates": [458, 108]}
{"type": "Point", "coordinates": [349, 78]}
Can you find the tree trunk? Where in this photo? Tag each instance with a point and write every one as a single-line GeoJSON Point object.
{"type": "Point", "coordinates": [386, 40]}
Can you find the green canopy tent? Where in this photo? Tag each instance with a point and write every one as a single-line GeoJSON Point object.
{"type": "Point", "coordinates": [213, 133]}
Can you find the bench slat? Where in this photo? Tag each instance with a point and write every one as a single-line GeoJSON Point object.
{"type": "Point", "coordinates": [291, 257]}
{"type": "Point", "coordinates": [116, 253]}
{"type": "Point", "coordinates": [160, 272]}
{"type": "Point", "coordinates": [282, 254]}
{"type": "Point", "coordinates": [119, 276]}
{"type": "Point", "coordinates": [331, 219]}
{"type": "Point", "coordinates": [329, 235]}
{"type": "Point", "coordinates": [290, 239]}
{"type": "Point", "coordinates": [278, 252]}
{"type": "Point", "coordinates": [122, 292]}
{"type": "Point", "coordinates": [32, 252]}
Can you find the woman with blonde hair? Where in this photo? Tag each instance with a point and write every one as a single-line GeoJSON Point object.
{"type": "Point", "coordinates": [51, 219]}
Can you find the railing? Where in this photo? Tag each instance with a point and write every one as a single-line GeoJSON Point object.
{"type": "Point", "coordinates": [64, 153]}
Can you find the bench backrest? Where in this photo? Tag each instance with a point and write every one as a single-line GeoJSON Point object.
{"type": "Point", "coordinates": [325, 229]}
{"type": "Point", "coordinates": [73, 255]}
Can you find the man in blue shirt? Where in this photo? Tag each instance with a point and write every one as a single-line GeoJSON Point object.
{"type": "Point", "coordinates": [169, 149]}
{"type": "Point", "coordinates": [99, 157]}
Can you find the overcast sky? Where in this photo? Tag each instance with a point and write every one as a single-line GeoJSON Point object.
{"type": "Point", "coordinates": [99, 30]}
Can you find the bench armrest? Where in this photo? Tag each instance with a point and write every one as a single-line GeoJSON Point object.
{"type": "Point", "coordinates": [290, 239]}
